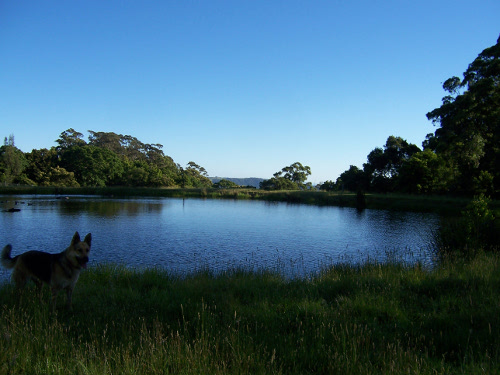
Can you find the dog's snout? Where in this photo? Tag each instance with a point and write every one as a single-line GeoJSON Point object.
{"type": "Point", "coordinates": [83, 260]}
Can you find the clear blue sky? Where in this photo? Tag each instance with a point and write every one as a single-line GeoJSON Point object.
{"type": "Point", "coordinates": [242, 88]}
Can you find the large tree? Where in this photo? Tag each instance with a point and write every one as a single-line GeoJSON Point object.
{"type": "Point", "coordinates": [144, 164]}
{"type": "Point", "coordinates": [425, 172]}
{"type": "Point", "coordinates": [109, 140]}
{"type": "Point", "coordinates": [127, 146]}
{"type": "Point", "coordinates": [353, 179]}
{"type": "Point", "coordinates": [69, 138]}
{"type": "Point", "coordinates": [12, 163]}
{"type": "Point", "coordinates": [194, 175]}
{"type": "Point", "coordinates": [93, 166]}
{"type": "Point", "coordinates": [292, 177]}
{"type": "Point", "coordinates": [468, 136]}
{"type": "Point", "coordinates": [44, 169]}
{"type": "Point", "coordinates": [383, 166]}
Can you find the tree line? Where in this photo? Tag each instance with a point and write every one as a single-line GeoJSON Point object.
{"type": "Point", "coordinates": [106, 159]}
{"type": "Point", "coordinates": [461, 157]}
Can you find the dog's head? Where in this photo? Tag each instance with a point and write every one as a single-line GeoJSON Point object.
{"type": "Point", "coordinates": [78, 251]}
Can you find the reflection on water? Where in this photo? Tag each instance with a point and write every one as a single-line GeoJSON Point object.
{"type": "Point", "coordinates": [93, 206]}
{"type": "Point", "coordinates": [185, 235]}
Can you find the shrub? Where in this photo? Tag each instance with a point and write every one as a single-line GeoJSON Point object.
{"type": "Point", "coordinates": [475, 230]}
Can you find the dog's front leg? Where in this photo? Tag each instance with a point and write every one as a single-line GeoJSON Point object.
{"type": "Point", "coordinates": [69, 294]}
{"type": "Point", "coordinates": [39, 288]}
{"type": "Point", "coordinates": [55, 291]}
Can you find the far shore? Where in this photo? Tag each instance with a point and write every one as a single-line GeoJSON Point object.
{"type": "Point", "coordinates": [441, 204]}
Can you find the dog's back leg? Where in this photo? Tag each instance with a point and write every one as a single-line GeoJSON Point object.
{"type": "Point", "coordinates": [20, 279]}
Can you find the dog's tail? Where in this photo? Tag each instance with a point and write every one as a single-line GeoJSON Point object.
{"type": "Point", "coordinates": [6, 259]}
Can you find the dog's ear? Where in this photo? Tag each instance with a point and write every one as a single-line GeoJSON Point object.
{"type": "Point", "coordinates": [88, 239]}
{"type": "Point", "coordinates": [76, 239]}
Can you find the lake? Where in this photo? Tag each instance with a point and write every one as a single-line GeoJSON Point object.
{"type": "Point", "coordinates": [184, 235]}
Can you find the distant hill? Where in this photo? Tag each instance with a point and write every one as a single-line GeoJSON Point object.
{"type": "Point", "coordinates": [251, 181]}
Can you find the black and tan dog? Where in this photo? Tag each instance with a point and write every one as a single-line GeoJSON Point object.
{"type": "Point", "coordinates": [59, 271]}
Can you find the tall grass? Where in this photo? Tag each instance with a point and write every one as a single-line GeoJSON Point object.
{"type": "Point", "coordinates": [369, 319]}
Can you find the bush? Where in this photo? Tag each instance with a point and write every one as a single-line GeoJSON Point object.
{"type": "Point", "coordinates": [479, 222]}
{"type": "Point", "coordinates": [475, 230]}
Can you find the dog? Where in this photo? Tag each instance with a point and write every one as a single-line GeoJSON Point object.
{"type": "Point", "coordinates": [59, 271]}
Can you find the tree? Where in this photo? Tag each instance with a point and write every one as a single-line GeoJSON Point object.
{"type": "Point", "coordinates": [69, 138]}
{"type": "Point", "coordinates": [133, 147]}
{"type": "Point", "coordinates": [328, 186]}
{"type": "Point", "coordinates": [194, 176]}
{"type": "Point", "coordinates": [384, 164]}
{"type": "Point", "coordinates": [226, 184]}
{"type": "Point", "coordinates": [135, 173]}
{"type": "Point", "coordinates": [195, 167]}
{"type": "Point", "coordinates": [292, 177]}
{"type": "Point", "coordinates": [424, 172]}
{"type": "Point", "coordinates": [468, 135]}
{"type": "Point", "coordinates": [296, 173]}
{"type": "Point", "coordinates": [353, 179]}
{"type": "Point", "coordinates": [93, 166]}
{"type": "Point", "coordinates": [40, 163]}
{"type": "Point", "coordinates": [60, 177]}
{"type": "Point", "coordinates": [43, 168]}
{"type": "Point", "coordinates": [278, 183]}
{"type": "Point", "coordinates": [111, 141]}
{"type": "Point", "coordinates": [9, 141]}
{"type": "Point", "coordinates": [145, 164]}
{"type": "Point", "coordinates": [12, 162]}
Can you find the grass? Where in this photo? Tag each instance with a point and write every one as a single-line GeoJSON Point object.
{"type": "Point", "coordinates": [369, 319]}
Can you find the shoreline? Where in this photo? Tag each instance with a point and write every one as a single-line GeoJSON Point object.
{"type": "Point", "coordinates": [445, 204]}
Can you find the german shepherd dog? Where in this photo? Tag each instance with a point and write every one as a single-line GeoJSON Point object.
{"type": "Point", "coordinates": [59, 271]}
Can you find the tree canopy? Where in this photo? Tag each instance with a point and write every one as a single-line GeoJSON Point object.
{"type": "Point", "coordinates": [461, 157]}
{"type": "Point", "coordinates": [292, 177]}
{"type": "Point", "coordinates": [107, 159]}
{"type": "Point", "coordinates": [12, 162]}
{"type": "Point", "coordinates": [468, 133]}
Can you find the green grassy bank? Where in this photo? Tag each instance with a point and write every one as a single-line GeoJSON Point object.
{"type": "Point", "coordinates": [370, 319]}
{"type": "Point", "coordinates": [402, 202]}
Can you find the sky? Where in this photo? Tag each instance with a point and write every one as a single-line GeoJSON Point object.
{"type": "Point", "coordinates": [240, 87]}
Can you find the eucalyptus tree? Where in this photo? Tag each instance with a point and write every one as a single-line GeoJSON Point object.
{"type": "Point", "coordinates": [93, 166]}
{"type": "Point", "coordinates": [353, 179]}
{"type": "Point", "coordinates": [468, 133]}
{"type": "Point", "coordinates": [384, 164]}
{"type": "Point", "coordinates": [193, 175]}
{"type": "Point", "coordinates": [12, 162]}
{"type": "Point", "coordinates": [44, 169]}
{"type": "Point", "coordinates": [69, 138]}
{"type": "Point", "coordinates": [292, 177]}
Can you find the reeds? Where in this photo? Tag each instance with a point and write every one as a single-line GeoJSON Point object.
{"type": "Point", "coordinates": [364, 319]}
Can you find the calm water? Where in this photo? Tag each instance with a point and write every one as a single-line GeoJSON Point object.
{"type": "Point", "coordinates": [185, 235]}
